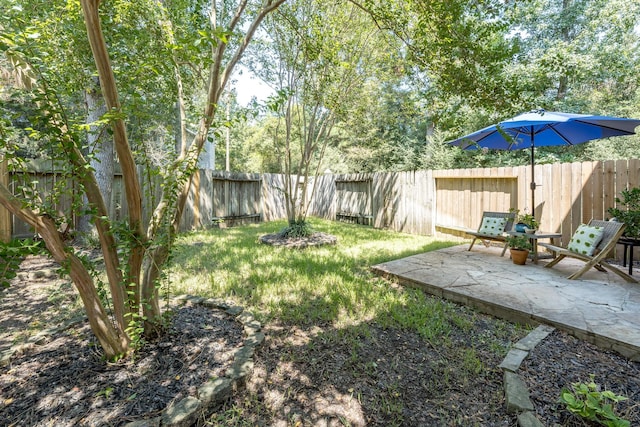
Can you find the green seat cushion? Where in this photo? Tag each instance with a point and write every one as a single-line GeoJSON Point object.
{"type": "Point", "coordinates": [585, 239]}
{"type": "Point", "coordinates": [492, 226]}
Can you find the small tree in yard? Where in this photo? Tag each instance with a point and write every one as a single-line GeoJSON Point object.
{"type": "Point", "coordinates": [320, 54]}
{"type": "Point", "coordinates": [133, 256]}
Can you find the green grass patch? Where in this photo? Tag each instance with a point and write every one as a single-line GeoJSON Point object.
{"type": "Point", "coordinates": [317, 285]}
{"type": "Point", "coordinates": [328, 283]}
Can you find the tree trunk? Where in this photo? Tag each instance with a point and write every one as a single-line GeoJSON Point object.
{"type": "Point", "coordinates": [187, 161]}
{"type": "Point", "coordinates": [114, 342]}
{"type": "Point", "coordinates": [123, 149]}
{"type": "Point", "coordinates": [5, 215]}
{"type": "Point", "coordinates": [100, 152]}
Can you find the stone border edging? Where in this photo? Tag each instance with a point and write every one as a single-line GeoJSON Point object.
{"type": "Point", "coordinates": [213, 393]}
{"type": "Point", "coordinates": [515, 390]}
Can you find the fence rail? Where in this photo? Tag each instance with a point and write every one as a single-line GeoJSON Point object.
{"type": "Point", "coordinates": [418, 202]}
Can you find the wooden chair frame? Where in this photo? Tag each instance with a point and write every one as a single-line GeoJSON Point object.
{"type": "Point", "coordinates": [612, 232]}
{"type": "Point", "coordinates": [486, 239]}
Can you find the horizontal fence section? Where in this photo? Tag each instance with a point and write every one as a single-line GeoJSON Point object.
{"type": "Point", "coordinates": [417, 202]}
{"type": "Point", "coordinates": [221, 197]}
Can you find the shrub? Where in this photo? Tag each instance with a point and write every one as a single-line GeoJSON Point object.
{"type": "Point", "coordinates": [297, 229]}
{"type": "Point", "coordinates": [519, 242]}
{"type": "Point", "coordinates": [630, 215]}
{"type": "Point", "coordinates": [588, 402]}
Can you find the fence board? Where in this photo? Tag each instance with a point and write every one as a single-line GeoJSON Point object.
{"type": "Point", "coordinates": [576, 195]}
{"type": "Point", "coordinates": [545, 195]}
{"type": "Point", "coordinates": [587, 191]}
{"type": "Point", "coordinates": [5, 217]}
{"type": "Point", "coordinates": [609, 187]}
{"type": "Point", "coordinates": [598, 189]}
{"type": "Point", "coordinates": [622, 178]}
{"type": "Point", "coordinates": [634, 173]}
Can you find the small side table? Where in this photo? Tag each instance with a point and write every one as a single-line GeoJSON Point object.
{"type": "Point", "coordinates": [533, 238]}
{"type": "Point", "coordinates": [628, 243]}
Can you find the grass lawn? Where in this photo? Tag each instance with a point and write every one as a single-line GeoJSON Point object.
{"type": "Point", "coordinates": [324, 304]}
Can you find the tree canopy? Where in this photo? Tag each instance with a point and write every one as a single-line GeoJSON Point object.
{"type": "Point", "coordinates": [457, 66]}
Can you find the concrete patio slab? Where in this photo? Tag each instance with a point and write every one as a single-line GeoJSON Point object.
{"type": "Point", "coordinates": [600, 307]}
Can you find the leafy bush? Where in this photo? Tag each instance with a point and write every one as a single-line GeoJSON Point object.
{"type": "Point", "coordinates": [588, 402]}
{"type": "Point", "coordinates": [519, 242]}
{"type": "Point", "coordinates": [11, 256]}
{"type": "Point", "coordinates": [297, 229]}
{"type": "Point", "coordinates": [630, 215]}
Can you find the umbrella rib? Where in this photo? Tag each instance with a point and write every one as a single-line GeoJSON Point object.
{"type": "Point", "coordinates": [515, 138]}
{"type": "Point", "coordinates": [564, 138]}
{"type": "Point", "coordinates": [607, 127]}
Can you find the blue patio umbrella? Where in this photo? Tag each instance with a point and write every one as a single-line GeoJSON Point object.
{"type": "Point", "coordinates": [541, 128]}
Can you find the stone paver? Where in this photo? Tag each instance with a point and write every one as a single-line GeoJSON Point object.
{"type": "Point", "coordinates": [600, 307]}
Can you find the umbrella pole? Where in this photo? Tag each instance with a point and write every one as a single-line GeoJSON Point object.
{"type": "Point", "coordinates": [533, 180]}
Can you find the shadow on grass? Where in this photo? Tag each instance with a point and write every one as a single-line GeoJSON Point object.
{"type": "Point", "coordinates": [344, 347]}
{"type": "Point", "coordinates": [380, 372]}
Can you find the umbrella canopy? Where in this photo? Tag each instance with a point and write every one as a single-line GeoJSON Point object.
{"type": "Point", "coordinates": [545, 128]}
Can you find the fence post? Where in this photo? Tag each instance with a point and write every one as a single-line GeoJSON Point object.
{"type": "Point", "coordinates": [5, 217]}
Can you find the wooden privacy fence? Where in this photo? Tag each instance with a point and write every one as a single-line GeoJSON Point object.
{"type": "Point", "coordinates": [221, 197]}
{"type": "Point", "coordinates": [568, 194]}
{"type": "Point", "coordinates": [401, 201]}
{"type": "Point", "coordinates": [214, 196]}
{"type": "Point", "coordinates": [43, 177]}
{"type": "Point", "coordinates": [418, 202]}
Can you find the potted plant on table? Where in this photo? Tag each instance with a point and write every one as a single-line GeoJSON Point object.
{"type": "Point", "coordinates": [519, 246]}
{"type": "Point", "coordinates": [525, 223]}
{"type": "Point", "coordinates": [529, 221]}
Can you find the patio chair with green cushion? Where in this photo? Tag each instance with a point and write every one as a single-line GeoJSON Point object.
{"type": "Point", "coordinates": [492, 228]}
{"type": "Point", "coordinates": [591, 243]}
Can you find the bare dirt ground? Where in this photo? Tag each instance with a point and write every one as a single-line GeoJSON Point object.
{"type": "Point", "coordinates": [313, 375]}
{"type": "Point", "coordinates": [387, 377]}
{"type": "Point", "coordinates": [64, 381]}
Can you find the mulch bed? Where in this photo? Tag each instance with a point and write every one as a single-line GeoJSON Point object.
{"type": "Point", "coordinates": [561, 360]}
{"type": "Point", "coordinates": [389, 377]}
{"type": "Point", "coordinates": [370, 377]}
{"type": "Point", "coordinates": [65, 381]}
{"type": "Point", "coordinates": [316, 239]}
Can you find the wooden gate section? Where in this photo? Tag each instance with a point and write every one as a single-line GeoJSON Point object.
{"type": "Point", "coordinates": [355, 201]}
{"type": "Point", "coordinates": [236, 199]}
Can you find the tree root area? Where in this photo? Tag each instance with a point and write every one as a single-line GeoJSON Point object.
{"type": "Point", "coordinates": [316, 239]}
{"type": "Point", "coordinates": [65, 382]}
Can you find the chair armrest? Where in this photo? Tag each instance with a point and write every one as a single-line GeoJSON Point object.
{"type": "Point", "coordinates": [551, 247]}
{"type": "Point", "coordinates": [487, 236]}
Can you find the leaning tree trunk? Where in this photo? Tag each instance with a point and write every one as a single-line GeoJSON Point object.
{"type": "Point", "coordinates": [113, 341]}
